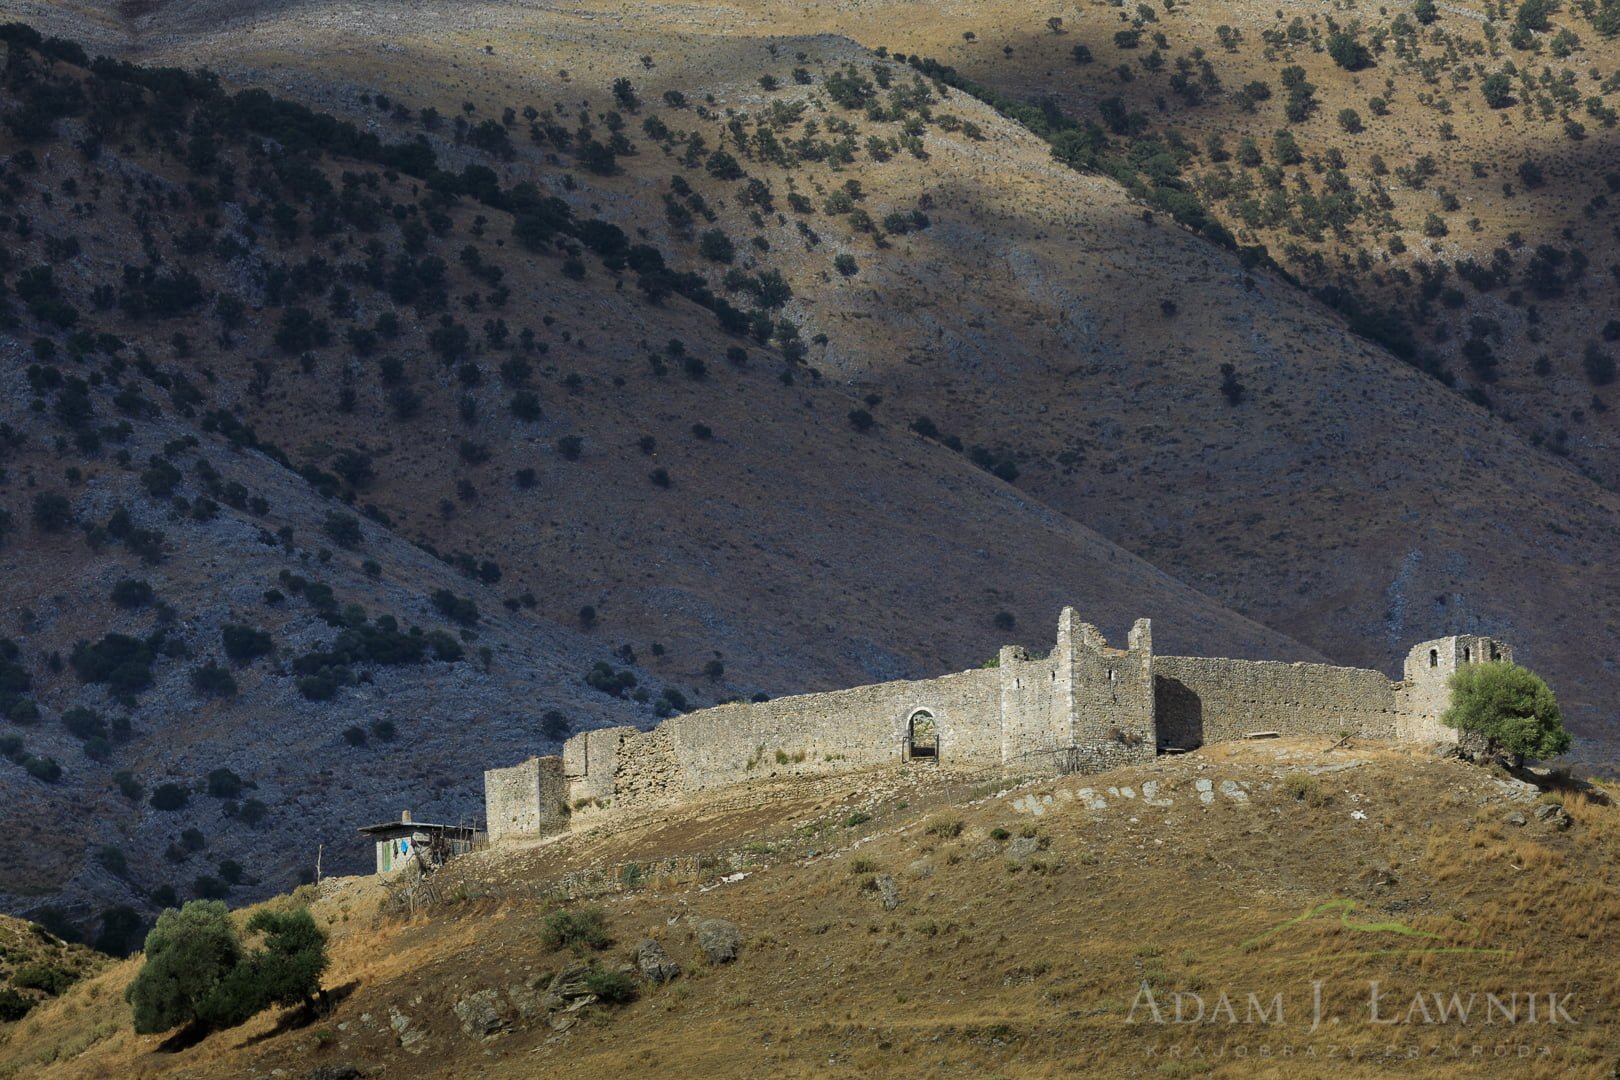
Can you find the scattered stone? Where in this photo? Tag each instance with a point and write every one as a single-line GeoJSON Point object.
{"type": "Point", "coordinates": [1150, 793]}
{"type": "Point", "coordinates": [719, 940]}
{"type": "Point", "coordinates": [1323, 770]}
{"type": "Point", "coordinates": [344, 1071]}
{"type": "Point", "coordinates": [1232, 791]}
{"type": "Point", "coordinates": [655, 964]}
{"type": "Point", "coordinates": [410, 1038]}
{"type": "Point", "coordinates": [1206, 790]}
{"type": "Point", "coordinates": [887, 891]}
{"type": "Point", "coordinates": [480, 1014]}
{"type": "Point", "coordinates": [1023, 847]}
{"type": "Point", "coordinates": [1553, 814]}
{"type": "Point", "coordinates": [1518, 790]}
{"type": "Point", "coordinates": [1515, 818]}
{"type": "Point", "coordinates": [989, 849]}
{"type": "Point", "coordinates": [569, 989]}
{"type": "Point", "coordinates": [922, 868]}
{"type": "Point", "coordinates": [524, 1000]}
{"type": "Point", "coordinates": [1033, 804]}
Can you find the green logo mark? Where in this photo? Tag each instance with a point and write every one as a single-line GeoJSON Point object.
{"type": "Point", "coordinates": [1344, 908]}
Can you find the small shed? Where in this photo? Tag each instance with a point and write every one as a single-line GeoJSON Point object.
{"type": "Point", "coordinates": [405, 843]}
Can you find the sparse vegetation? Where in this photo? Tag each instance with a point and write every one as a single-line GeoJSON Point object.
{"type": "Point", "coordinates": [582, 931]}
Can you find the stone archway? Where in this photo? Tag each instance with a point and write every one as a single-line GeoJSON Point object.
{"type": "Point", "coordinates": [922, 736]}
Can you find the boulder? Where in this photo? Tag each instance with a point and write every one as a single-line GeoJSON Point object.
{"type": "Point", "coordinates": [1023, 847]}
{"type": "Point", "coordinates": [654, 964]}
{"type": "Point", "coordinates": [525, 1000]}
{"type": "Point", "coordinates": [480, 1014]}
{"type": "Point", "coordinates": [1516, 819]}
{"type": "Point", "coordinates": [410, 1036]}
{"type": "Point", "coordinates": [1553, 814]}
{"type": "Point", "coordinates": [888, 892]}
{"type": "Point", "coordinates": [569, 988]}
{"type": "Point", "coordinates": [719, 940]}
{"type": "Point", "coordinates": [344, 1071]}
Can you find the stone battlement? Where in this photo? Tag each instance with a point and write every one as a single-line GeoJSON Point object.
{"type": "Point", "coordinates": [1085, 707]}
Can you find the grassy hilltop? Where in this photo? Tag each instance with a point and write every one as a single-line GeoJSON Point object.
{"type": "Point", "coordinates": [919, 925]}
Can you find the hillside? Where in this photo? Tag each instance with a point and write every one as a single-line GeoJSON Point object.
{"type": "Point", "coordinates": [674, 421]}
{"type": "Point", "coordinates": [1037, 316]}
{"type": "Point", "coordinates": [36, 965]}
{"type": "Point", "coordinates": [226, 524]}
{"type": "Point", "coordinates": [918, 925]}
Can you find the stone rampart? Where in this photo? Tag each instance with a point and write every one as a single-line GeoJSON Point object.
{"type": "Point", "coordinates": [1085, 707]}
{"type": "Point", "coordinates": [1200, 700]}
{"type": "Point", "coordinates": [804, 735]}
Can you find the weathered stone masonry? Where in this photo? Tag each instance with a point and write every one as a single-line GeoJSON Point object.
{"type": "Point", "coordinates": [1085, 707]}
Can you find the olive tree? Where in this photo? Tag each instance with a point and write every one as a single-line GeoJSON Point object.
{"type": "Point", "coordinates": [188, 954]}
{"type": "Point", "coordinates": [1511, 707]}
{"type": "Point", "coordinates": [197, 973]}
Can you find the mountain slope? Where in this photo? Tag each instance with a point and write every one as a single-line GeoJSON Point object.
{"type": "Point", "coordinates": [1346, 499]}
{"type": "Point", "coordinates": [227, 477]}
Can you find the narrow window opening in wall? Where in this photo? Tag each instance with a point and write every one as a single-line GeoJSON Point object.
{"type": "Point", "coordinates": [1434, 657]}
{"type": "Point", "coordinates": [1465, 654]}
{"type": "Point", "coordinates": [922, 736]}
{"type": "Point", "coordinates": [1496, 654]}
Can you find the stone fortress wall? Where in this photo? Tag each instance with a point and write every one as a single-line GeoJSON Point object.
{"type": "Point", "coordinates": [1085, 707]}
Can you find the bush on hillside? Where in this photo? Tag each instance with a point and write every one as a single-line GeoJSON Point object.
{"type": "Point", "coordinates": [582, 931]}
{"type": "Point", "coordinates": [1511, 707]}
{"type": "Point", "coordinates": [122, 663]}
{"type": "Point", "coordinates": [244, 644]}
{"type": "Point", "coordinates": [197, 973]}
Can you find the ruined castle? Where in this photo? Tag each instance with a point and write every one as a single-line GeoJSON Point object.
{"type": "Point", "coordinates": [1084, 707]}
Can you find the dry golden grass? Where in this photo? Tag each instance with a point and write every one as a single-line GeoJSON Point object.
{"type": "Point", "coordinates": [992, 966]}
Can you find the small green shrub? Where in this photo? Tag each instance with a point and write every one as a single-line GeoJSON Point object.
{"type": "Point", "coordinates": [130, 593]}
{"type": "Point", "coordinates": [169, 797]}
{"type": "Point", "coordinates": [225, 784]}
{"type": "Point", "coordinates": [13, 1006]}
{"type": "Point", "coordinates": [582, 931]}
{"type": "Point", "coordinates": [342, 529]}
{"type": "Point", "coordinates": [42, 975]}
{"type": "Point", "coordinates": [244, 643]}
{"type": "Point", "coordinates": [610, 985]}
{"type": "Point", "coordinates": [122, 663]}
{"type": "Point", "coordinates": [1304, 787]}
